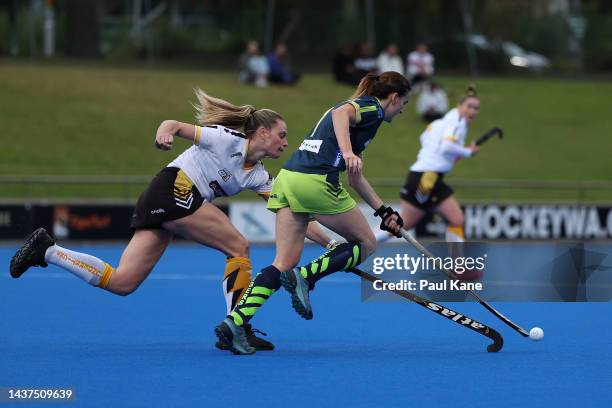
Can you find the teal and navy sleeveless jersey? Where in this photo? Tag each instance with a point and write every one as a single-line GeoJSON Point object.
{"type": "Point", "coordinates": [319, 153]}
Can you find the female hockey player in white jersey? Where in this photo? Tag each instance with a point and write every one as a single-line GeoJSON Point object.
{"type": "Point", "coordinates": [442, 145]}
{"type": "Point", "coordinates": [228, 146]}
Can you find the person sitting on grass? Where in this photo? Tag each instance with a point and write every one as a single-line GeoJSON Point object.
{"type": "Point", "coordinates": [280, 71]}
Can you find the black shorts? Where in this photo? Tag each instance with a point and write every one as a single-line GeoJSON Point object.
{"type": "Point", "coordinates": [425, 190]}
{"type": "Point", "coordinates": [170, 195]}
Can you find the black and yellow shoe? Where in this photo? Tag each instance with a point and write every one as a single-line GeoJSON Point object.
{"type": "Point", "coordinates": [257, 343]}
{"type": "Point", "coordinates": [32, 253]}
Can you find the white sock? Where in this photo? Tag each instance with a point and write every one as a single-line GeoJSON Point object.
{"type": "Point", "coordinates": [87, 267]}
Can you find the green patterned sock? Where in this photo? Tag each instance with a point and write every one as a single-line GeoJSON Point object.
{"type": "Point", "coordinates": [263, 286]}
{"type": "Point", "coordinates": [339, 258]}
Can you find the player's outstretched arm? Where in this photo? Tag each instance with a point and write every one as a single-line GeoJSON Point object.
{"type": "Point", "coordinates": [170, 128]}
{"type": "Point", "coordinates": [450, 146]}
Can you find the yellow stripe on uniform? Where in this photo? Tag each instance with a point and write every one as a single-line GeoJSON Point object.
{"type": "Point", "coordinates": [427, 182]}
{"type": "Point", "coordinates": [367, 109]}
{"type": "Point", "coordinates": [238, 262]}
{"type": "Point", "coordinates": [182, 185]}
{"type": "Point", "coordinates": [106, 275]}
{"type": "Point", "coordinates": [240, 268]}
{"type": "Point", "coordinates": [198, 133]}
{"type": "Point", "coordinates": [357, 112]}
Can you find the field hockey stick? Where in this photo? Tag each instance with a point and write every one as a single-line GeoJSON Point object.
{"type": "Point", "coordinates": [491, 133]}
{"type": "Point", "coordinates": [461, 319]}
{"type": "Point", "coordinates": [451, 274]}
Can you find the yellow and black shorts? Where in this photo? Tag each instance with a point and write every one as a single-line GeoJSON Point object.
{"type": "Point", "coordinates": [170, 195]}
{"type": "Point", "coordinates": [425, 190]}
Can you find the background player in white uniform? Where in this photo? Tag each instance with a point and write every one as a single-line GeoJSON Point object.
{"type": "Point", "coordinates": [442, 145]}
{"type": "Point", "coordinates": [225, 159]}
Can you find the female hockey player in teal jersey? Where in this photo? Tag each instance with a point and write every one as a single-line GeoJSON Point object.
{"type": "Point", "coordinates": [309, 186]}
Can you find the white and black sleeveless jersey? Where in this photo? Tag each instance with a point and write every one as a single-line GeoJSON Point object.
{"type": "Point", "coordinates": [215, 164]}
{"type": "Point", "coordinates": [442, 143]}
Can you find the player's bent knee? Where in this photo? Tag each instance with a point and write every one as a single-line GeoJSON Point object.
{"type": "Point", "coordinates": [285, 265]}
{"type": "Point", "coordinates": [122, 285]}
{"type": "Point", "coordinates": [368, 248]}
{"type": "Point", "coordinates": [121, 290]}
{"type": "Point", "coordinates": [238, 246]}
{"type": "Point", "coordinates": [368, 245]}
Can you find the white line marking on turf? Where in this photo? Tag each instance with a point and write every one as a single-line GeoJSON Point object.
{"type": "Point", "coordinates": [161, 276]}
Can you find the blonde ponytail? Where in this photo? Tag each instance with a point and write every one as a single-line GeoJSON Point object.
{"type": "Point", "coordinates": [246, 118]}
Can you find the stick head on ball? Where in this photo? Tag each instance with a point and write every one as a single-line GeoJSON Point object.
{"type": "Point", "coordinates": [536, 334]}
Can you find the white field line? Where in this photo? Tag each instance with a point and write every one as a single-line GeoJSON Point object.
{"type": "Point", "coordinates": [159, 276]}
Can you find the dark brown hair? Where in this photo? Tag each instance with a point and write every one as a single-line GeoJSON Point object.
{"type": "Point", "coordinates": [382, 85]}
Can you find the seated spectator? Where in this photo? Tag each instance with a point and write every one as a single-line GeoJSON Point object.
{"type": "Point", "coordinates": [420, 64]}
{"type": "Point", "coordinates": [280, 72]}
{"type": "Point", "coordinates": [253, 66]}
{"type": "Point", "coordinates": [344, 66]}
{"type": "Point", "coordinates": [432, 102]}
{"type": "Point", "coordinates": [365, 62]}
{"type": "Point", "coordinates": [389, 60]}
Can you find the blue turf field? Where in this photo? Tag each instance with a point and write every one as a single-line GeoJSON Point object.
{"type": "Point", "coordinates": [155, 347]}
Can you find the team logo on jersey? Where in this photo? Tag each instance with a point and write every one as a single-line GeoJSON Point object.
{"type": "Point", "coordinates": [237, 154]}
{"type": "Point", "coordinates": [217, 189]}
{"type": "Point", "coordinates": [225, 174]}
{"type": "Point", "coordinates": [311, 145]}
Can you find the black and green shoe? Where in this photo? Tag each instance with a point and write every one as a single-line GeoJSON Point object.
{"type": "Point", "coordinates": [257, 343]}
{"type": "Point", "coordinates": [234, 337]}
{"type": "Point", "coordinates": [298, 287]}
{"type": "Point", "coordinates": [31, 253]}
